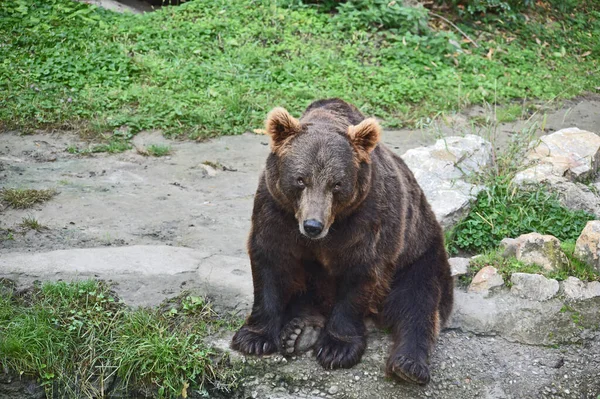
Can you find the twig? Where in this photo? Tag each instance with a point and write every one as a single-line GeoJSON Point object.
{"type": "Point", "coordinates": [455, 27]}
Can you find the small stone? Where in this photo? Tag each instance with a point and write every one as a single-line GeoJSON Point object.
{"type": "Point", "coordinates": [533, 286]}
{"type": "Point", "coordinates": [356, 377]}
{"type": "Point", "coordinates": [587, 247]}
{"type": "Point", "coordinates": [458, 266]}
{"type": "Point", "coordinates": [486, 279]}
{"type": "Point", "coordinates": [333, 390]}
{"type": "Point", "coordinates": [509, 246]}
{"type": "Point", "coordinates": [541, 250]}
{"type": "Point", "coordinates": [208, 170]}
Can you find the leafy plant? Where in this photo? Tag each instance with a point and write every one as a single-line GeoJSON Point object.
{"type": "Point", "coordinates": [158, 150]}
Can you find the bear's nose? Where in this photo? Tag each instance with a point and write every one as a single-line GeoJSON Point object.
{"type": "Point", "coordinates": [312, 227]}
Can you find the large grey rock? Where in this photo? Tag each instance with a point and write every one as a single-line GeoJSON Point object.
{"type": "Point", "coordinates": [564, 161]}
{"type": "Point", "coordinates": [442, 170]}
{"type": "Point", "coordinates": [525, 320]}
{"type": "Point", "coordinates": [587, 247]}
{"type": "Point", "coordinates": [541, 250]}
{"type": "Point", "coordinates": [485, 280]}
{"type": "Point", "coordinates": [533, 286]}
{"type": "Point", "coordinates": [575, 289]}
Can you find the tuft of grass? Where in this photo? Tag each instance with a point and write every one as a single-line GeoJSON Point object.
{"type": "Point", "coordinates": [31, 223]}
{"type": "Point", "coordinates": [79, 340]}
{"type": "Point", "coordinates": [25, 198]}
{"type": "Point", "coordinates": [158, 150]}
{"type": "Point", "coordinates": [213, 67]}
{"type": "Point", "coordinates": [509, 113]}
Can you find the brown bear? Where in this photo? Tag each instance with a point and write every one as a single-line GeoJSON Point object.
{"type": "Point", "coordinates": [340, 231]}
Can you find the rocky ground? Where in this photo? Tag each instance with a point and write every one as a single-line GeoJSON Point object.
{"type": "Point", "coordinates": [157, 226]}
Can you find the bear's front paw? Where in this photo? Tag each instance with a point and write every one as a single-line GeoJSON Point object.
{"type": "Point", "coordinates": [409, 369]}
{"type": "Point", "coordinates": [342, 352]}
{"type": "Point", "coordinates": [252, 343]}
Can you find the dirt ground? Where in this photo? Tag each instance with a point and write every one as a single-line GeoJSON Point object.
{"type": "Point", "coordinates": [127, 199]}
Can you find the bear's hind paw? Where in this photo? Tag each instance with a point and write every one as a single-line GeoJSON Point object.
{"type": "Point", "coordinates": [300, 335]}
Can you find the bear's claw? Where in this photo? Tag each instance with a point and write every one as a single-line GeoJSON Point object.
{"type": "Point", "coordinates": [409, 369]}
{"type": "Point", "coordinates": [252, 343]}
{"type": "Point", "coordinates": [333, 353]}
{"type": "Point", "coordinates": [300, 335]}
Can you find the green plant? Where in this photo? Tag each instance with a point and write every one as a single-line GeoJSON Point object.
{"type": "Point", "coordinates": [75, 337]}
{"type": "Point", "coordinates": [31, 223]}
{"type": "Point", "coordinates": [158, 150]}
{"type": "Point", "coordinates": [20, 198]}
{"type": "Point", "coordinates": [502, 210]}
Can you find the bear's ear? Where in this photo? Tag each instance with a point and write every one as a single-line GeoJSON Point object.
{"type": "Point", "coordinates": [364, 138]}
{"type": "Point", "coordinates": [281, 126]}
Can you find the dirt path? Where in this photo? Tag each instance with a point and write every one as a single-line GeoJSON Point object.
{"type": "Point", "coordinates": [190, 222]}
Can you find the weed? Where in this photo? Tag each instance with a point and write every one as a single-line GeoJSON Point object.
{"type": "Point", "coordinates": [25, 198]}
{"type": "Point", "coordinates": [158, 150]}
{"type": "Point", "coordinates": [31, 223]}
{"type": "Point", "coordinates": [76, 337]}
{"type": "Point", "coordinates": [509, 113]}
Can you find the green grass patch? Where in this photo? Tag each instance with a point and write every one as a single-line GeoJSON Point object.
{"type": "Point", "coordinates": [210, 67]}
{"type": "Point", "coordinates": [502, 211]}
{"type": "Point", "coordinates": [158, 150]}
{"type": "Point", "coordinates": [21, 198]}
{"type": "Point", "coordinates": [509, 113]}
{"type": "Point", "coordinates": [79, 340]}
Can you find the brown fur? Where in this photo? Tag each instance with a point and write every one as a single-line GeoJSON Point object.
{"type": "Point", "coordinates": [377, 248]}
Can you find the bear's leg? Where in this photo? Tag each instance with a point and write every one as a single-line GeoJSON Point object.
{"type": "Point", "coordinates": [412, 310]}
{"type": "Point", "coordinates": [343, 340]}
{"type": "Point", "coordinates": [276, 279]}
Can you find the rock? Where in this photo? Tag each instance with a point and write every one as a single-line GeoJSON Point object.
{"type": "Point", "coordinates": [442, 169]}
{"type": "Point", "coordinates": [587, 247]}
{"type": "Point", "coordinates": [564, 161]}
{"type": "Point", "coordinates": [541, 250]}
{"type": "Point", "coordinates": [533, 286]}
{"type": "Point", "coordinates": [458, 266]}
{"type": "Point", "coordinates": [571, 153]}
{"type": "Point", "coordinates": [208, 170]}
{"type": "Point", "coordinates": [575, 289]}
{"type": "Point", "coordinates": [485, 280]}
{"type": "Point", "coordinates": [333, 390]}
{"type": "Point", "coordinates": [509, 246]}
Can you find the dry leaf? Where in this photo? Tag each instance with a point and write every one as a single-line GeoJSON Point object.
{"type": "Point", "coordinates": [260, 131]}
{"type": "Point", "coordinates": [184, 390]}
{"type": "Point", "coordinates": [586, 53]}
{"type": "Point", "coordinates": [490, 54]}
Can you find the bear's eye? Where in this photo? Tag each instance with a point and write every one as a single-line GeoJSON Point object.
{"type": "Point", "coordinates": [337, 186]}
{"type": "Point", "coordinates": [300, 182]}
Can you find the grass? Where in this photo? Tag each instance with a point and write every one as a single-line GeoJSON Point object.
{"type": "Point", "coordinates": [77, 339]}
{"type": "Point", "coordinates": [31, 223]}
{"type": "Point", "coordinates": [21, 198]}
{"type": "Point", "coordinates": [158, 150]}
{"type": "Point", "coordinates": [209, 67]}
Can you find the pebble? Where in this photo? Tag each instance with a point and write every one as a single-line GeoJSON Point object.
{"type": "Point", "coordinates": [333, 390]}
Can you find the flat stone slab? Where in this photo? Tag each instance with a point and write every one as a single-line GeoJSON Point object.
{"type": "Point", "coordinates": [144, 275]}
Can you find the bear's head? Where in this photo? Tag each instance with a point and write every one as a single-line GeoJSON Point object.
{"type": "Point", "coordinates": [319, 171]}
